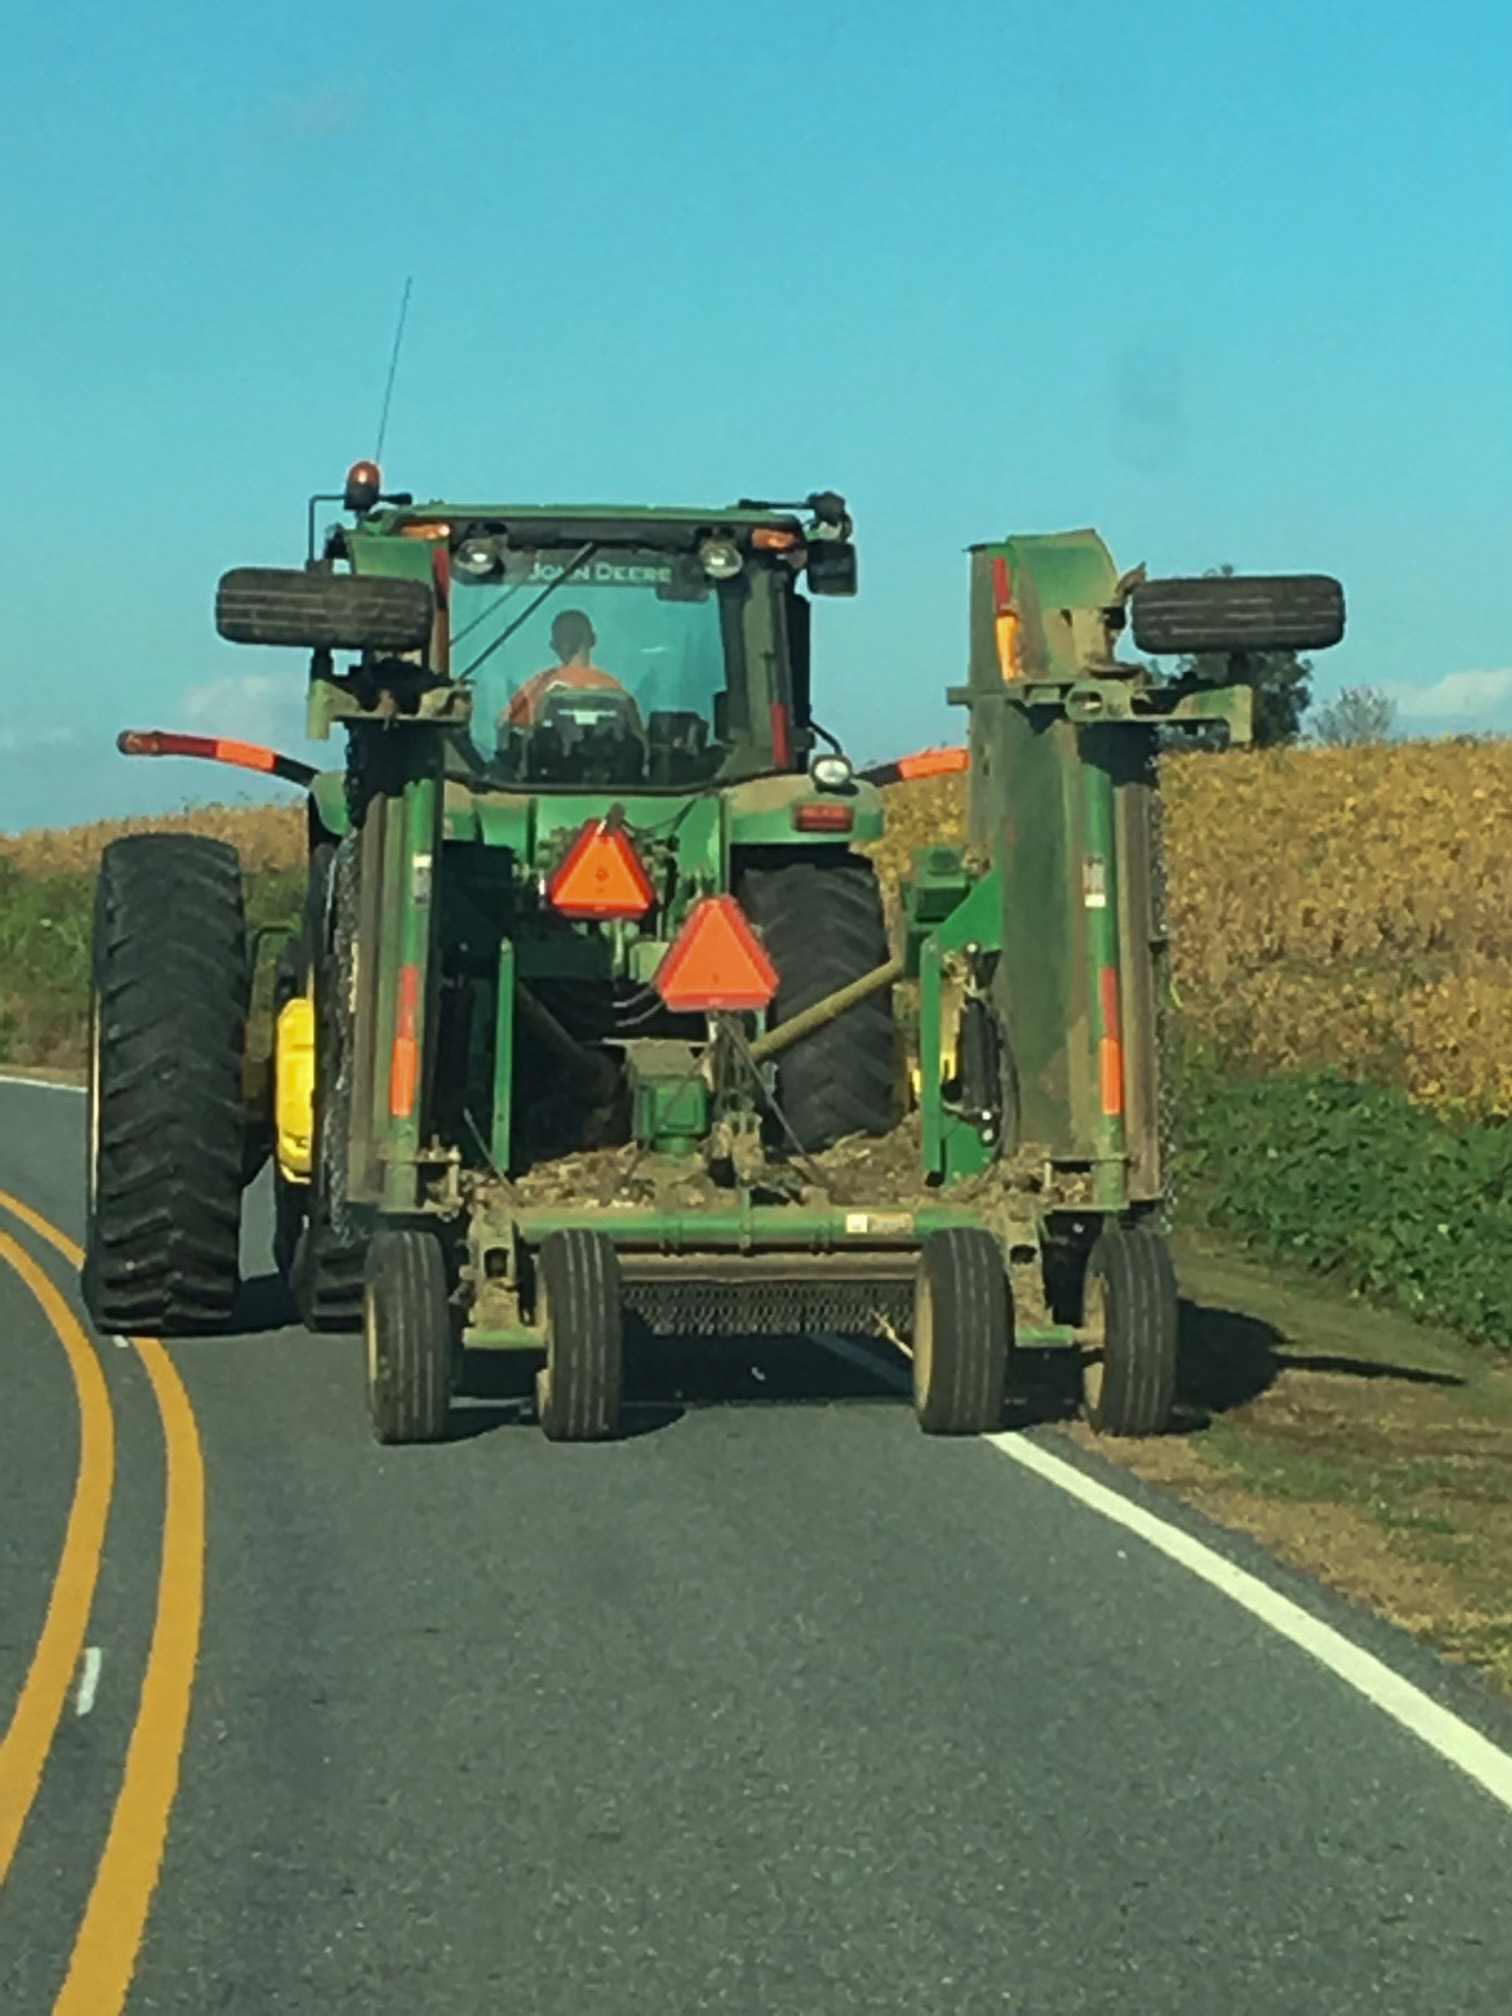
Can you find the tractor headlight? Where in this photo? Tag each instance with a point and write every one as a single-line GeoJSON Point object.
{"type": "Point", "coordinates": [476, 558]}
{"type": "Point", "coordinates": [832, 773]}
{"type": "Point", "coordinates": [720, 559]}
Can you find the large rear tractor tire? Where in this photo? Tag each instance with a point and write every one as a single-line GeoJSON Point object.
{"type": "Point", "coordinates": [579, 1299]}
{"type": "Point", "coordinates": [963, 1333]}
{"type": "Point", "coordinates": [1128, 1330]}
{"type": "Point", "coordinates": [407, 1325]}
{"type": "Point", "coordinates": [168, 1018]}
{"type": "Point", "coordinates": [822, 923]}
{"type": "Point", "coordinates": [331, 1255]}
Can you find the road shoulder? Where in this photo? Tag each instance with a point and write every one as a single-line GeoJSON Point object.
{"type": "Point", "coordinates": [1368, 1451]}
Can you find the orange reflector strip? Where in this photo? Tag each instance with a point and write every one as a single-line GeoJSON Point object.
{"type": "Point", "coordinates": [404, 1064]}
{"type": "Point", "coordinates": [1110, 1049]}
{"type": "Point", "coordinates": [717, 961]}
{"type": "Point", "coordinates": [773, 538]}
{"type": "Point", "coordinates": [824, 815]}
{"type": "Point", "coordinates": [601, 876]}
{"type": "Point", "coordinates": [425, 528]}
{"type": "Point", "coordinates": [933, 763]}
{"type": "Point", "coordinates": [218, 748]}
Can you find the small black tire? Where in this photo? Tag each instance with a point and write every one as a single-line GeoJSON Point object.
{"type": "Point", "coordinates": [963, 1333]}
{"type": "Point", "coordinates": [311, 610]}
{"type": "Point", "coordinates": [1129, 1332]}
{"type": "Point", "coordinates": [330, 1258]}
{"type": "Point", "coordinates": [407, 1328]}
{"type": "Point", "coordinates": [821, 921]}
{"type": "Point", "coordinates": [166, 1117]}
{"type": "Point", "coordinates": [580, 1305]}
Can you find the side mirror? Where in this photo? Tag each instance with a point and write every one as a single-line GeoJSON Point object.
{"type": "Point", "coordinates": [831, 567]}
{"type": "Point", "coordinates": [1238, 612]}
{"type": "Point", "coordinates": [316, 611]}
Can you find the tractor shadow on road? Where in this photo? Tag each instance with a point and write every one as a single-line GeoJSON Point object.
{"type": "Point", "coordinates": [667, 1377]}
{"type": "Point", "coordinates": [263, 1302]}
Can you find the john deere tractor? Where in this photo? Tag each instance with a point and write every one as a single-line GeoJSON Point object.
{"type": "Point", "coordinates": [593, 1024]}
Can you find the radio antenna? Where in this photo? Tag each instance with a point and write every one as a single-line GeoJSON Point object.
{"type": "Point", "coordinates": [388, 390]}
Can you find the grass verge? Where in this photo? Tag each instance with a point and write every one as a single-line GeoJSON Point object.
{"type": "Point", "coordinates": [1369, 1450]}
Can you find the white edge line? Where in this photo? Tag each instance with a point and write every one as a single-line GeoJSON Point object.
{"type": "Point", "coordinates": [1443, 1731]}
{"type": "Point", "coordinates": [1454, 1740]}
{"type": "Point", "coordinates": [89, 1679]}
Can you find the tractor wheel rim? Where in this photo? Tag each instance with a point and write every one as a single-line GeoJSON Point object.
{"type": "Point", "coordinates": [923, 1337]}
{"type": "Point", "coordinates": [543, 1371]}
{"type": "Point", "coordinates": [1094, 1340]}
{"type": "Point", "coordinates": [370, 1335]}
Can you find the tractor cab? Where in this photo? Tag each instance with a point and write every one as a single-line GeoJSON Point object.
{"type": "Point", "coordinates": [649, 650]}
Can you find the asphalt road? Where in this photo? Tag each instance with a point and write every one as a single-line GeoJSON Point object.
{"type": "Point", "coordinates": [772, 1708]}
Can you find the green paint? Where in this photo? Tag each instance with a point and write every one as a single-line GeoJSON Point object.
{"type": "Point", "coordinates": [413, 826]}
{"type": "Point", "coordinates": [501, 1145]}
{"type": "Point", "coordinates": [762, 813]}
{"type": "Point", "coordinates": [931, 1101]}
{"type": "Point", "coordinates": [1100, 904]}
{"type": "Point", "coordinates": [328, 795]}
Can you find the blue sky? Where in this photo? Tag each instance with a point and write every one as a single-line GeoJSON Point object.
{"type": "Point", "coordinates": [1230, 281]}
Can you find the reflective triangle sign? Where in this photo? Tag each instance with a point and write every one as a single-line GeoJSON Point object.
{"type": "Point", "coordinates": [717, 961]}
{"type": "Point", "coordinates": [601, 876]}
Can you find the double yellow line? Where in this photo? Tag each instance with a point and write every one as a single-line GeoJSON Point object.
{"type": "Point", "coordinates": [110, 1933]}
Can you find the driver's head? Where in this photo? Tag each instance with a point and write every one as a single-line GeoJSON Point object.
{"type": "Point", "coordinates": [572, 636]}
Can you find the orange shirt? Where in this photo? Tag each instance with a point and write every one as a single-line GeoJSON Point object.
{"type": "Point", "coordinates": [524, 703]}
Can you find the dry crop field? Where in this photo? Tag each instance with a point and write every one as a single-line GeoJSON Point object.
{"type": "Point", "coordinates": [269, 836]}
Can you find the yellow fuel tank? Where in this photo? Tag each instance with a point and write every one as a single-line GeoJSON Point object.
{"type": "Point", "coordinates": [294, 1088]}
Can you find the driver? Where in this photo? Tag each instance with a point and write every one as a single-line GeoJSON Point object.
{"type": "Point", "coordinates": [572, 639]}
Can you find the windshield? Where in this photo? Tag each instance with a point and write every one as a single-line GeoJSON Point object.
{"type": "Point", "coordinates": [600, 665]}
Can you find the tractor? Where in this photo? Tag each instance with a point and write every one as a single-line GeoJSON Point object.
{"type": "Point", "coordinates": [597, 1023]}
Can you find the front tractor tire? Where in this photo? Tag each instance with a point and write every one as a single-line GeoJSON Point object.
{"type": "Point", "coordinates": [407, 1327]}
{"type": "Point", "coordinates": [1129, 1332]}
{"type": "Point", "coordinates": [822, 923]}
{"type": "Point", "coordinates": [963, 1333]}
{"type": "Point", "coordinates": [167, 1125]}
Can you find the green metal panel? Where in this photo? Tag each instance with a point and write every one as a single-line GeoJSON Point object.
{"type": "Point", "coordinates": [408, 559]}
{"type": "Point", "coordinates": [1058, 584]}
{"type": "Point", "coordinates": [328, 791]}
{"type": "Point", "coordinates": [696, 518]}
{"type": "Point", "coordinates": [952, 1146]}
{"type": "Point", "coordinates": [769, 1227]}
{"type": "Point", "coordinates": [761, 813]}
{"type": "Point", "coordinates": [506, 819]}
{"type": "Point", "coordinates": [1029, 825]}
{"type": "Point", "coordinates": [1100, 907]}
{"type": "Point", "coordinates": [503, 1090]}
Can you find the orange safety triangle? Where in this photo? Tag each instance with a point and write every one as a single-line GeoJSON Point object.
{"type": "Point", "coordinates": [601, 876]}
{"type": "Point", "coordinates": [716, 961]}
